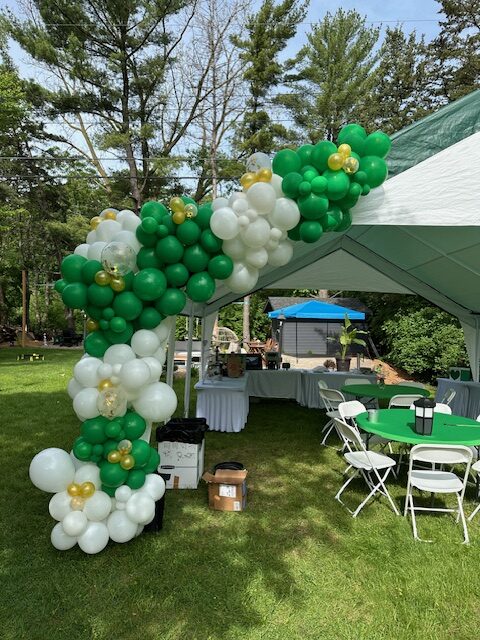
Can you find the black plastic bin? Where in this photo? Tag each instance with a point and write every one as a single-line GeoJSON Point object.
{"type": "Point", "coordinates": [189, 430]}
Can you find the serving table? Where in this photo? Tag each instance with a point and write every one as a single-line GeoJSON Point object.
{"type": "Point", "coordinates": [334, 380]}
{"type": "Point", "coordinates": [276, 383]}
{"type": "Point", "coordinates": [467, 398]}
{"type": "Point", "coordinates": [223, 403]}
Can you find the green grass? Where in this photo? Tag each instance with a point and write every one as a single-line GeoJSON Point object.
{"type": "Point", "coordinates": [294, 565]}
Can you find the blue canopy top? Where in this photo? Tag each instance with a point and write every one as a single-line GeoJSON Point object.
{"type": "Point", "coordinates": [318, 310]}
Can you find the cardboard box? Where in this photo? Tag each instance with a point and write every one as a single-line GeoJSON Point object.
{"type": "Point", "coordinates": [227, 489]}
{"type": "Point", "coordinates": [181, 464]}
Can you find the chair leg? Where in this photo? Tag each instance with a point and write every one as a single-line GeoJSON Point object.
{"type": "Point", "coordinates": [474, 513]}
{"type": "Point", "coordinates": [328, 428]}
{"type": "Point", "coordinates": [462, 518]}
{"type": "Point", "coordinates": [374, 490]}
{"type": "Point", "coordinates": [342, 489]}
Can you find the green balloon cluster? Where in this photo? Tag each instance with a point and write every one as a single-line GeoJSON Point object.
{"type": "Point", "coordinates": [327, 180]}
{"type": "Point", "coordinates": [100, 437]}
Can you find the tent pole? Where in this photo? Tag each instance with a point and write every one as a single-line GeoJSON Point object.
{"type": "Point", "coordinates": [171, 353]}
{"type": "Point", "coordinates": [188, 377]}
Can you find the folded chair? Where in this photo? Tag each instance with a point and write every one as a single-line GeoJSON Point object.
{"type": "Point", "coordinates": [403, 401]}
{"type": "Point", "coordinates": [374, 467]}
{"type": "Point", "coordinates": [349, 411]}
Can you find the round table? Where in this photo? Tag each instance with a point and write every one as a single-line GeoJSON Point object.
{"type": "Point", "coordinates": [383, 391]}
{"type": "Point", "coordinates": [398, 425]}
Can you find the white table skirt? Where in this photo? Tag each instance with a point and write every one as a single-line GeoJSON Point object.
{"type": "Point", "coordinates": [278, 383]}
{"type": "Point", "coordinates": [467, 399]}
{"type": "Point", "coordinates": [334, 380]}
{"type": "Point", "coordinates": [223, 403]}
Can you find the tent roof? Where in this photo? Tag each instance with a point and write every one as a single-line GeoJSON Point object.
{"type": "Point", "coordinates": [317, 310]}
{"type": "Point", "coordinates": [277, 302]}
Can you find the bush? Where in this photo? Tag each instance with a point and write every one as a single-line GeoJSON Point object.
{"type": "Point", "coordinates": [425, 343]}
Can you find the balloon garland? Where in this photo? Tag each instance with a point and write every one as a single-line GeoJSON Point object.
{"type": "Point", "coordinates": [134, 274]}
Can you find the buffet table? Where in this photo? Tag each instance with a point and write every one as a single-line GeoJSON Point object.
{"type": "Point", "coordinates": [467, 399]}
{"type": "Point", "coordinates": [276, 383]}
{"type": "Point", "coordinates": [334, 380]}
{"type": "Point", "coordinates": [224, 403]}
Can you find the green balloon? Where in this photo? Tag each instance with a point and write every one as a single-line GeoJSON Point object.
{"type": "Point", "coordinates": [169, 250]}
{"type": "Point", "coordinates": [346, 221]}
{"type": "Point", "coordinates": [313, 207]}
{"type": "Point", "coordinates": [210, 242]}
{"type": "Point", "coordinates": [110, 445]}
{"type": "Point", "coordinates": [149, 318]}
{"type": "Point", "coordinates": [200, 287]}
{"type": "Point", "coordinates": [375, 168]}
{"type": "Point", "coordinates": [120, 337]}
{"type": "Point", "coordinates": [89, 269]}
{"type": "Point", "coordinates": [127, 305]}
{"type": "Point", "coordinates": [334, 218]}
{"type": "Point", "coordinates": [220, 267]}
{"type": "Point", "coordinates": [94, 312]}
{"type": "Point", "coordinates": [108, 313]}
{"type": "Point", "coordinates": [112, 474]}
{"type": "Point", "coordinates": [149, 225]}
{"type": "Point", "coordinates": [304, 189]}
{"type": "Point", "coordinates": [136, 479]}
{"type": "Point", "coordinates": [104, 324]}
{"type": "Point", "coordinates": [365, 190]}
{"type": "Point", "coordinates": [140, 452]}
{"type": "Point", "coordinates": [98, 450]}
{"type": "Point", "coordinates": [100, 296]}
{"type": "Point", "coordinates": [195, 258]}
{"type": "Point", "coordinates": [147, 239]}
{"type": "Point", "coordinates": [348, 130]}
{"type": "Point", "coordinates": [117, 324]}
{"type": "Point", "coordinates": [134, 425]}
{"type": "Point", "coordinates": [187, 200]}
{"type": "Point", "coordinates": [162, 231]}
{"type": "Point", "coordinates": [177, 274]}
{"type": "Point", "coordinates": [172, 302]}
{"type": "Point", "coordinates": [294, 234]}
{"type": "Point", "coordinates": [95, 344]}
{"type": "Point", "coordinates": [321, 152]}
{"type": "Point", "coordinates": [110, 491]}
{"type": "Point", "coordinates": [153, 461]}
{"type": "Point", "coordinates": [71, 268]}
{"type": "Point", "coordinates": [290, 184]}
{"type": "Point", "coordinates": [338, 184]}
{"type": "Point", "coordinates": [112, 430]}
{"type": "Point", "coordinates": [309, 174]}
{"type": "Point", "coordinates": [60, 285]}
{"type": "Point", "coordinates": [153, 209]}
{"type": "Point", "coordinates": [360, 177]}
{"type": "Point", "coordinates": [169, 224]}
{"type": "Point", "coordinates": [310, 231]}
{"type": "Point", "coordinates": [82, 449]}
{"type": "Point", "coordinates": [305, 153]}
{"type": "Point", "coordinates": [93, 430]}
{"type": "Point", "coordinates": [286, 161]}
{"type": "Point", "coordinates": [188, 232]}
{"type": "Point", "coordinates": [203, 216]}
{"type": "Point", "coordinates": [356, 141]}
{"type": "Point", "coordinates": [74, 295]}
{"type": "Point", "coordinates": [319, 185]}
{"type": "Point", "coordinates": [149, 284]}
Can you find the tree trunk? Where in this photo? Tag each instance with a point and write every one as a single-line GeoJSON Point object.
{"type": "Point", "coordinates": [246, 322]}
{"type": "Point", "coordinates": [3, 306]}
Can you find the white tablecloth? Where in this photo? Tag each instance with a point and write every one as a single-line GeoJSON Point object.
{"type": "Point", "coordinates": [334, 380]}
{"type": "Point", "coordinates": [467, 399]}
{"type": "Point", "coordinates": [276, 383]}
{"type": "Point", "coordinates": [223, 403]}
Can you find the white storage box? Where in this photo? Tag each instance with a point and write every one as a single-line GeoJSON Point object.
{"type": "Point", "coordinates": [181, 464]}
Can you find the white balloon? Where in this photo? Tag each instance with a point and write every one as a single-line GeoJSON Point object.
{"type": "Point", "coordinates": [271, 245]}
{"type": "Point", "coordinates": [78, 463]}
{"type": "Point", "coordinates": [240, 205]}
{"type": "Point", "coordinates": [95, 250]}
{"type": "Point", "coordinates": [86, 371]}
{"type": "Point", "coordinates": [120, 506]}
{"type": "Point", "coordinates": [155, 368]}
{"type": "Point", "coordinates": [154, 485]}
{"type": "Point", "coordinates": [258, 160]}
{"type": "Point", "coordinates": [118, 354]}
{"type": "Point", "coordinates": [276, 183]}
{"type": "Point", "coordinates": [128, 237]}
{"type": "Point", "coordinates": [52, 470]}
{"type": "Point", "coordinates": [98, 506]}
{"type": "Point", "coordinates": [91, 238]}
{"type": "Point", "coordinates": [123, 493]}
{"type": "Point", "coordinates": [286, 214]}
{"type": "Point", "coordinates": [105, 370]}
{"type": "Point", "coordinates": [224, 223]}
{"type": "Point", "coordinates": [163, 329]}
{"type": "Point", "coordinates": [156, 402]}
{"type": "Point", "coordinates": [145, 342]}
{"type": "Point", "coordinates": [234, 248]}
{"type": "Point", "coordinates": [256, 234]}
{"type": "Point", "coordinates": [107, 229]}
{"type": "Point", "coordinates": [243, 222]}
{"type": "Point", "coordinates": [257, 258]}
{"type": "Point", "coordinates": [160, 355]}
{"type": "Point", "coordinates": [59, 505]}
{"type": "Point", "coordinates": [120, 527]}
{"type": "Point", "coordinates": [130, 222]}
{"type": "Point", "coordinates": [261, 196]}
{"type": "Point", "coordinates": [73, 387]}
{"type": "Point", "coordinates": [108, 210]}
{"type": "Point", "coordinates": [82, 250]}
{"type": "Point", "coordinates": [134, 374]}
{"type": "Point", "coordinates": [123, 214]}
{"type": "Point", "coordinates": [114, 379]}
{"type": "Point", "coordinates": [88, 473]}
{"type": "Point", "coordinates": [139, 529]}
{"type": "Point", "coordinates": [116, 368]}
{"type": "Point", "coordinates": [85, 404]}
{"type": "Point", "coordinates": [60, 539]}
{"type": "Point", "coordinates": [251, 214]}
{"type": "Point", "coordinates": [275, 234]}
{"type": "Point", "coordinates": [74, 523]}
{"type": "Point", "coordinates": [219, 203]}
{"type": "Point", "coordinates": [281, 255]}
{"type": "Point", "coordinates": [242, 279]}
{"type": "Point", "coordinates": [94, 538]}
{"type": "Point", "coordinates": [140, 508]}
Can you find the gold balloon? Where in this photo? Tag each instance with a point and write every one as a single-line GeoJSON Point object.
{"type": "Point", "coordinates": [104, 384]}
{"type": "Point", "coordinates": [102, 278]}
{"type": "Point", "coordinates": [124, 446]}
{"type": "Point", "coordinates": [87, 489]}
{"type": "Point", "coordinates": [335, 161]}
{"type": "Point", "coordinates": [264, 175]}
{"type": "Point", "coordinates": [114, 456]}
{"type": "Point", "coordinates": [109, 215]}
{"type": "Point", "coordinates": [117, 284]}
{"type": "Point", "coordinates": [345, 150]}
{"type": "Point", "coordinates": [191, 210]}
{"type": "Point", "coordinates": [73, 489]}
{"type": "Point", "coordinates": [94, 222]}
{"type": "Point", "coordinates": [92, 325]}
{"type": "Point", "coordinates": [247, 180]}
{"type": "Point", "coordinates": [179, 217]}
{"type": "Point", "coordinates": [77, 503]}
{"type": "Point", "coordinates": [127, 462]}
{"type": "Point", "coordinates": [177, 204]}
{"type": "Point", "coordinates": [350, 165]}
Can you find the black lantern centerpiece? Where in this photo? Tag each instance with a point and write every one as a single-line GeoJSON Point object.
{"type": "Point", "coordinates": [424, 416]}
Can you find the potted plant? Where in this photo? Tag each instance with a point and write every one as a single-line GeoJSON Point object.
{"type": "Point", "coordinates": [348, 336]}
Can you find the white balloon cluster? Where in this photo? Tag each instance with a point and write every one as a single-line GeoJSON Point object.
{"type": "Point", "coordinates": [111, 226]}
{"type": "Point", "coordinates": [253, 225]}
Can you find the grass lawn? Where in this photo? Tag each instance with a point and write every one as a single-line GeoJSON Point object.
{"type": "Point", "coordinates": [294, 565]}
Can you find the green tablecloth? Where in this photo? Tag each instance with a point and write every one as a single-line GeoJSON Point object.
{"type": "Point", "coordinates": [398, 425]}
{"type": "Point", "coordinates": [382, 391]}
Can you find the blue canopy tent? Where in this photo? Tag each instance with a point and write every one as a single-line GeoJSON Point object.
{"type": "Point", "coordinates": [318, 322]}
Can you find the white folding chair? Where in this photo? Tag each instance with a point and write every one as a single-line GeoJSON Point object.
{"type": "Point", "coordinates": [411, 383]}
{"type": "Point", "coordinates": [368, 402]}
{"type": "Point", "coordinates": [436, 481]}
{"type": "Point", "coordinates": [448, 396]}
{"type": "Point", "coordinates": [442, 408]}
{"type": "Point", "coordinates": [374, 467]}
{"type": "Point", "coordinates": [475, 467]}
{"type": "Point", "coordinates": [331, 399]}
{"type": "Point", "coordinates": [404, 401]}
{"type": "Point", "coordinates": [348, 411]}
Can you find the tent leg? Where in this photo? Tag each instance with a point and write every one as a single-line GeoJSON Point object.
{"type": "Point", "coordinates": [188, 377]}
{"type": "Point", "coordinates": [171, 354]}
